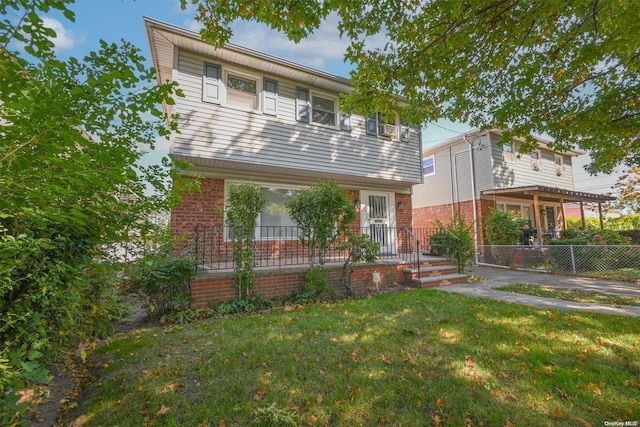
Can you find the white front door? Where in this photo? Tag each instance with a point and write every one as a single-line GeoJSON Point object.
{"type": "Point", "coordinates": [377, 217]}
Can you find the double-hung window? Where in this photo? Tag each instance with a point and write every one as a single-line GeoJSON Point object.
{"type": "Point", "coordinates": [323, 110]}
{"type": "Point", "coordinates": [429, 165]}
{"type": "Point", "coordinates": [242, 91]}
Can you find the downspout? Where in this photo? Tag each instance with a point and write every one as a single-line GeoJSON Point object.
{"type": "Point", "coordinates": [473, 197]}
{"type": "Point", "coordinates": [453, 201]}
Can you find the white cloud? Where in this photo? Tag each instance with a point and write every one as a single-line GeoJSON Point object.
{"type": "Point", "coordinates": [65, 39]}
{"type": "Point", "coordinates": [323, 45]}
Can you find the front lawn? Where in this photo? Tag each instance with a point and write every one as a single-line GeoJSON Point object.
{"type": "Point", "coordinates": [569, 294]}
{"type": "Point", "coordinates": [413, 358]}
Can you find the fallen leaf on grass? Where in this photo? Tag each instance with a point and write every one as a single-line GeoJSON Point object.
{"type": "Point", "coordinates": [469, 362]}
{"type": "Point", "coordinates": [386, 359]}
{"type": "Point", "coordinates": [319, 399]}
{"type": "Point", "coordinates": [440, 402]}
{"type": "Point", "coordinates": [163, 410]}
{"type": "Point", "coordinates": [594, 388]}
{"type": "Point", "coordinates": [557, 412]}
{"type": "Point", "coordinates": [584, 422]}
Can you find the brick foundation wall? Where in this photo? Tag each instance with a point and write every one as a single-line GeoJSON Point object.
{"type": "Point", "coordinates": [211, 288]}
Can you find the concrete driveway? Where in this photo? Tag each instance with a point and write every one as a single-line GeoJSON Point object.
{"type": "Point", "coordinates": [496, 277]}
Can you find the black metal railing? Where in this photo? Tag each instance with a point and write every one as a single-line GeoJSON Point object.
{"type": "Point", "coordinates": [211, 248]}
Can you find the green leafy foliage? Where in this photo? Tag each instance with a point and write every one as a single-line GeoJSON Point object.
{"type": "Point", "coordinates": [359, 247]}
{"type": "Point", "coordinates": [317, 285]}
{"type": "Point", "coordinates": [70, 184]}
{"type": "Point", "coordinates": [244, 202]}
{"type": "Point", "coordinates": [317, 211]}
{"type": "Point", "coordinates": [164, 279]}
{"type": "Point", "coordinates": [564, 67]}
{"type": "Point", "coordinates": [502, 228]}
{"type": "Point", "coordinates": [456, 242]}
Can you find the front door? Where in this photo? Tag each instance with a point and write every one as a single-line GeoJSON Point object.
{"type": "Point", "coordinates": [377, 219]}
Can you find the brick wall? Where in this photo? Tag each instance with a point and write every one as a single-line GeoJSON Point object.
{"type": "Point", "coordinates": [212, 288]}
{"type": "Point", "coordinates": [426, 217]}
{"type": "Point", "coordinates": [202, 207]}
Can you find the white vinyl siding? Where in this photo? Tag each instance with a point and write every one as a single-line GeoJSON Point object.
{"type": "Point", "coordinates": [521, 173]}
{"type": "Point", "coordinates": [283, 141]}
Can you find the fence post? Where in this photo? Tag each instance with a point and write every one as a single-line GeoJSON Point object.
{"type": "Point", "coordinates": [573, 259]}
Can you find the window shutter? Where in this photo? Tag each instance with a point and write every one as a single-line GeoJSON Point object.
{"type": "Point", "coordinates": [372, 125]}
{"type": "Point", "coordinates": [405, 133]}
{"type": "Point", "coordinates": [270, 97]}
{"type": "Point", "coordinates": [345, 121]}
{"type": "Point", "coordinates": [212, 83]}
{"type": "Point", "coordinates": [302, 105]}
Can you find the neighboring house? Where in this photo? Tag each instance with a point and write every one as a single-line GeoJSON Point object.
{"type": "Point", "coordinates": [476, 171]}
{"type": "Point", "coordinates": [249, 116]}
{"type": "Point", "coordinates": [601, 183]}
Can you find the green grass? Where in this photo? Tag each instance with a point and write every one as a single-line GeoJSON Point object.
{"type": "Point", "coordinates": [414, 358]}
{"type": "Point", "coordinates": [570, 294]}
{"type": "Point", "coordinates": [621, 274]}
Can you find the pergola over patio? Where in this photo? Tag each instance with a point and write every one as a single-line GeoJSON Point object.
{"type": "Point", "coordinates": [541, 193]}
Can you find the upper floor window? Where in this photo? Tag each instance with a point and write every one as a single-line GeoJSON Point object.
{"type": "Point", "coordinates": [231, 87]}
{"type": "Point", "coordinates": [390, 127]}
{"type": "Point", "coordinates": [429, 166]}
{"type": "Point", "coordinates": [559, 164]}
{"type": "Point", "coordinates": [242, 91]}
{"type": "Point", "coordinates": [536, 160]}
{"type": "Point", "coordinates": [323, 110]}
{"type": "Point", "coordinates": [508, 152]}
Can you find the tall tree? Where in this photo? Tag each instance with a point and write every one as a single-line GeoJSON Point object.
{"type": "Point", "coordinates": [567, 68]}
{"type": "Point", "coordinates": [628, 188]}
{"type": "Point", "coordinates": [71, 135]}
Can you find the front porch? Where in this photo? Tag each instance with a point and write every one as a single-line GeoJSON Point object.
{"type": "Point", "coordinates": [282, 262]}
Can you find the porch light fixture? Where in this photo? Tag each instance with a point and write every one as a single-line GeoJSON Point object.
{"type": "Point", "coordinates": [400, 206]}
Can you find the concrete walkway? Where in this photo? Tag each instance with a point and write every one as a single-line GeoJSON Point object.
{"type": "Point", "coordinates": [496, 277]}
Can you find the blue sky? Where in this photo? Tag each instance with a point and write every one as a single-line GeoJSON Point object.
{"type": "Point", "coordinates": [112, 20]}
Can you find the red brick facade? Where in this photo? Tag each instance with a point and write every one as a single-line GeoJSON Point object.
{"type": "Point", "coordinates": [205, 210]}
{"type": "Point", "coordinates": [426, 217]}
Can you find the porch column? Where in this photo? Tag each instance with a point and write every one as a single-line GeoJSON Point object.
{"type": "Point", "coordinates": [564, 216]}
{"type": "Point", "coordinates": [584, 225]}
{"type": "Point", "coordinates": [600, 215]}
{"type": "Point", "coordinates": [536, 212]}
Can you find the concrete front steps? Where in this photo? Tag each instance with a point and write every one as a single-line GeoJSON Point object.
{"type": "Point", "coordinates": [434, 271]}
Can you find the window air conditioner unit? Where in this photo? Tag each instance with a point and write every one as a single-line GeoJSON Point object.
{"type": "Point", "coordinates": [388, 130]}
{"type": "Point", "coordinates": [535, 165]}
{"type": "Point", "coordinates": [558, 170]}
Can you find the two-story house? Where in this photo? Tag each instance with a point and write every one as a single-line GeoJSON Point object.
{"type": "Point", "coordinates": [249, 116]}
{"type": "Point", "coordinates": [477, 170]}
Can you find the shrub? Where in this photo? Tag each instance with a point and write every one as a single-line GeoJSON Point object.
{"type": "Point", "coordinates": [244, 202]}
{"type": "Point", "coordinates": [456, 242]}
{"type": "Point", "coordinates": [317, 285]}
{"type": "Point", "coordinates": [316, 211]}
{"type": "Point", "coordinates": [164, 279]}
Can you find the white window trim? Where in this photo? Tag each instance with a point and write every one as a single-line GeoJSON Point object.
{"type": "Point", "coordinates": [400, 126]}
{"type": "Point", "coordinates": [233, 71]}
{"type": "Point", "coordinates": [536, 164]}
{"type": "Point", "coordinates": [559, 168]}
{"type": "Point", "coordinates": [336, 104]}
{"type": "Point", "coordinates": [432, 156]}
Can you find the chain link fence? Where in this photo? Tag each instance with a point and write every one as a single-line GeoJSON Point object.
{"type": "Point", "coordinates": [585, 260]}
